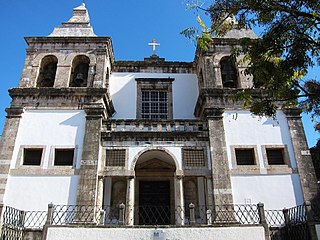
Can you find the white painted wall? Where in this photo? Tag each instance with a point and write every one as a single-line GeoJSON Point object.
{"type": "Point", "coordinates": [123, 91]}
{"type": "Point", "coordinates": [275, 191]}
{"type": "Point", "coordinates": [221, 233]}
{"type": "Point", "coordinates": [242, 128]}
{"type": "Point", "coordinates": [47, 128]}
{"type": "Point", "coordinates": [50, 128]}
{"type": "Point", "coordinates": [35, 192]}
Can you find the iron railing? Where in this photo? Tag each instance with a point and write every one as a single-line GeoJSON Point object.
{"type": "Point", "coordinates": [156, 215]}
{"type": "Point", "coordinates": [275, 218]}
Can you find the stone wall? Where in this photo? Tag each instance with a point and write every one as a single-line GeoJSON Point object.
{"type": "Point", "coordinates": [97, 233]}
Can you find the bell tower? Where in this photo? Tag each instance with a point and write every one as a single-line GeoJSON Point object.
{"type": "Point", "coordinates": [65, 73]}
{"type": "Point", "coordinates": [218, 75]}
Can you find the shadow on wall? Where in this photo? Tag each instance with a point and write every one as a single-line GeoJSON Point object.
{"type": "Point", "coordinates": [78, 120]}
{"type": "Point", "coordinates": [124, 98]}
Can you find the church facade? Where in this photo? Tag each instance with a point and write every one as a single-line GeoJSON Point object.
{"type": "Point", "coordinates": [86, 129]}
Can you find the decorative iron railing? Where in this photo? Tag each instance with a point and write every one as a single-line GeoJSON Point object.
{"type": "Point", "coordinates": [275, 218]}
{"type": "Point", "coordinates": [156, 215]}
{"type": "Point", "coordinates": [34, 219]}
{"type": "Point", "coordinates": [284, 224]}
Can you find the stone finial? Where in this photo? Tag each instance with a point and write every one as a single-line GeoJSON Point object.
{"type": "Point", "coordinates": [77, 26]}
{"type": "Point", "coordinates": [236, 32]}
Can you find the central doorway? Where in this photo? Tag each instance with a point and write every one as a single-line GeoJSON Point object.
{"type": "Point", "coordinates": [154, 190]}
{"type": "Point", "coordinates": [154, 202]}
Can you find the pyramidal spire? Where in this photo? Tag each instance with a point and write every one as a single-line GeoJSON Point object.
{"type": "Point", "coordinates": [77, 26]}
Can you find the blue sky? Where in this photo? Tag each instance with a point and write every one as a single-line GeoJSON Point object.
{"type": "Point", "coordinates": [131, 24]}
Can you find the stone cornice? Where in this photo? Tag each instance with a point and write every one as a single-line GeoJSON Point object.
{"type": "Point", "coordinates": [143, 66]}
{"type": "Point", "coordinates": [292, 112]}
{"type": "Point", "coordinates": [14, 112]}
{"type": "Point", "coordinates": [62, 98]}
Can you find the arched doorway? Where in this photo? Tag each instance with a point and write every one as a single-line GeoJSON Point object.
{"type": "Point", "coordinates": [154, 191]}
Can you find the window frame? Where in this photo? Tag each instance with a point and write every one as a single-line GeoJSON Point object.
{"type": "Point", "coordinates": [64, 149]}
{"type": "Point", "coordinates": [104, 157]}
{"type": "Point", "coordinates": [277, 168]}
{"type": "Point", "coordinates": [245, 169]}
{"type": "Point", "coordinates": [205, 158]}
{"type": "Point", "coordinates": [157, 85]}
{"type": "Point", "coordinates": [20, 158]}
{"type": "Point", "coordinates": [52, 156]}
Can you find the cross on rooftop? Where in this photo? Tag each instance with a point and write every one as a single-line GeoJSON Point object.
{"type": "Point", "coordinates": [154, 44]}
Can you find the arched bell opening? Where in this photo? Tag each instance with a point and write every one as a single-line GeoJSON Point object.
{"type": "Point", "coordinates": [47, 73]}
{"type": "Point", "coordinates": [155, 188]}
{"type": "Point", "coordinates": [228, 72]}
{"type": "Point", "coordinates": [79, 72]}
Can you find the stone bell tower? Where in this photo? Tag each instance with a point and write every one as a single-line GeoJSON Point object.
{"type": "Point", "coordinates": [67, 70]}
{"type": "Point", "coordinates": [218, 75]}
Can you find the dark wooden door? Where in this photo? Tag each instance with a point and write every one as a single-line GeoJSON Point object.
{"type": "Point", "coordinates": [154, 202]}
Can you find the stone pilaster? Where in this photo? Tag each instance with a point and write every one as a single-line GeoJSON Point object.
{"type": "Point", "coordinates": [88, 182]}
{"type": "Point", "coordinates": [302, 155]}
{"type": "Point", "coordinates": [220, 167]}
{"type": "Point", "coordinates": [130, 201]}
{"type": "Point", "coordinates": [7, 142]}
{"type": "Point", "coordinates": [179, 200]}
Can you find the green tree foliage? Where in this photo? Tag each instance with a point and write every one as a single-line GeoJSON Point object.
{"type": "Point", "coordinates": [280, 58]}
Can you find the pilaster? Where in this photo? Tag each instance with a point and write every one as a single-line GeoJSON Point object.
{"type": "Point", "coordinates": [302, 155]}
{"type": "Point", "coordinates": [7, 142]}
{"type": "Point", "coordinates": [88, 183]}
{"type": "Point", "coordinates": [130, 201]}
{"type": "Point", "coordinates": [220, 168]}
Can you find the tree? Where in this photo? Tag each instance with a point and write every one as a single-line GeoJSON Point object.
{"type": "Point", "coordinates": [280, 59]}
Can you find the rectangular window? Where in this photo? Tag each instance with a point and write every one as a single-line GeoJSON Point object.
{"type": "Point", "coordinates": [194, 158]}
{"type": "Point", "coordinates": [275, 156]}
{"type": "Point", "coordinates": [63, 157]}
{"type": "Point", "coordinates": [154, 98]}
{"type": "Point", "coordinates": [116, 157]}
{"type": "Point", "coordinates": [154, 104]}
{"type": "Point", "coordinates": [32, 156]}
{"type": "Point", "coordinates": [245, 156]}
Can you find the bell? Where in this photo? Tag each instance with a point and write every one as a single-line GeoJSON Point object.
{"type": "Point", "coordinates": [229, 83]}
{"type": "Point", "coordinates": [47, 79]}
{"type": "Point", "coordinates": [79, 79]}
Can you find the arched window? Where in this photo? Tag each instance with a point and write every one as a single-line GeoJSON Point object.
{"type": "Point", "coordinates": [47, 72]}
{"type": "Point", "coordinates": [79, 73]}
{"type": "Point", "coordinates": [228, 72]}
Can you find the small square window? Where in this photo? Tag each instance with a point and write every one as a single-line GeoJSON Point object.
{"type": "Point", "coordinates": [194, 157]}
{"type": "Point", "coordinates": [245, 156]}
{"type": "Point", "coordinates": [115, 157]}
{"type": "Point", "coordinates": [32, 156]}
{"type": "Point", "coordinates": [63, 157]}
{"type": "Point", "coordinates": [275, 156]}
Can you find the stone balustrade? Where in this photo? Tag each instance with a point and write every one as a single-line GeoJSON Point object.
{"type": "Point", "coordinates": [134, 125]}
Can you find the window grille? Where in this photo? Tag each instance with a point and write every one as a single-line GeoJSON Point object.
{"type": "Point", "coordinates": [32, 156]}
{"type": "Point", "coordinates": [275, 156]}
{"type": "Point", "coordinates": [116, 157]}
{"type": "Point", "coordinates": [245, 156]}
{"type": "Point", "coordinates": [154, 104]}
{"type": "Point", "coordinates": [194, 157]}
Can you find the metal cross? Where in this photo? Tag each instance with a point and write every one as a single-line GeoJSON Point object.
{"type": "Point", "coordinates": [154, 44]}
